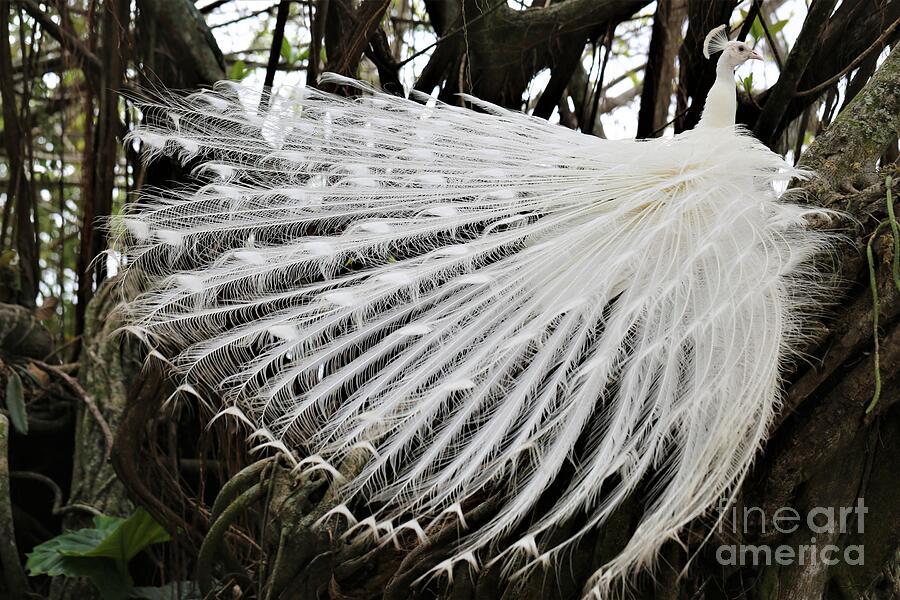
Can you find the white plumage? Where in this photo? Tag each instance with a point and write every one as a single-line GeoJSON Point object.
{"type": "Point", "coordinates": [476, 299]}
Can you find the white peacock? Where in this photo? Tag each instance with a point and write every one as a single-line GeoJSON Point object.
{"type": "Point", "coordinates": [474, 299]}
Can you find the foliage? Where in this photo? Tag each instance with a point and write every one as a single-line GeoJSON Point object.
{"type": "Point", "coordinates": [100, 553]}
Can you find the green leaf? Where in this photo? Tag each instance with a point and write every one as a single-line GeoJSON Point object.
{"type": "Point", "coordinates": [302, 54]}
{"type": "Point", "coordinates": [777, 26]}
{"type": "Point", "coordinates": [100, 553]}
{"type": "Point", "coordinates": [131, 537]}
{"type": "Point", "coordinates": [748, 83]}
{"type": "Point", "coordinates": [103, 573]}
{"type": "Point", "coordinates": [50, 557]}
{"type": "Point", "coordinates": [286, 51]}
{"type": "Point", "coordinates": [238, 70]}
{"type": "Point", "coordinates": [756, 29]}
{"type": "Point", "coordinates": [107, 523]}
{"type": "Point", "coordinates": [15, 403]}
{"type": "Point", "coordinates": [62, 556]}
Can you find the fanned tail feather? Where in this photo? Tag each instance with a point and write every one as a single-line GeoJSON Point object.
{"type": "Point", "coordinates": [478, 299]}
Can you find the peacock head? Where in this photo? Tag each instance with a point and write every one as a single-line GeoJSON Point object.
{"type": "Point", "coordinates": [734, 54]}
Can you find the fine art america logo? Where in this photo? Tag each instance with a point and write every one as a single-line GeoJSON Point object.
{"type": "Point", "coordinates": [826, 521]}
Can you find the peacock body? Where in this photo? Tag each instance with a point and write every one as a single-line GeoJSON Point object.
{"type": "Point", "coordinates": [478, 301]}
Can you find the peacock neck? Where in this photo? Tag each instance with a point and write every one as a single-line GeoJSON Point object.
{"type": "Point", "coordinates": [721, 102]}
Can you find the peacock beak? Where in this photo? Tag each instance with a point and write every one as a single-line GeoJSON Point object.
{"type": "Point", "coordinates": [754, 55]}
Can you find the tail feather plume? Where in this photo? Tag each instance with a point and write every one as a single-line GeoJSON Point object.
{"type": "Point", "coordinates": [478, 298]}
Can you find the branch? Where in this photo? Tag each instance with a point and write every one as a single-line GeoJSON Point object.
{"type": "Point", "coordinates": [100, 174]}
{"type": "Point", "coordinates": [76, 388]}
{"type": "Point", "coordinates": [752, 13]}
{"type": "Point", "coordinates": [379, 52]}
{"type": "Point", "coordinates": [318, 16]}
{"type": "Point", "coordinates": [368, 16]}
{"type": "Point", "coordinates": [498, 4]}
{"type": "Point", "coordinates": [284, 9]}
{"type": "Point", "coordinates": [89, 61]}
{"type": "Point", "coordinates": [767, 125]}
{"type": "Point", "coordinates": [578, 15]}
{"type": "Point", "coordinates": [507, 49]}
{"type": "Point", "coordinates": [861, 132]}
{"type": "Point", "coordinates": [877, 44]}
{"type": "Point", "coordinates": [568, 60]}
{"type": "Point", "coordinates": [58, 508]}
{"type": "Point", "coordinates": [139, 475]}
{"type": "Point", "coordinates": [660, 72]}
{"type": "Point", "coordinates": [853, 27]}
{"type": "Point", "coordinates": [250, 15]}
{"type": "Point", "coordinates": [213, 6]}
